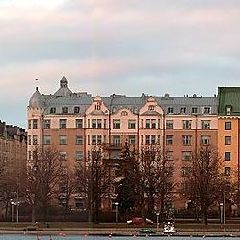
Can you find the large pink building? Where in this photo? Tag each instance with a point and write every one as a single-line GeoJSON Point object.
{"type": "Point", "coordinates": [75, 122]}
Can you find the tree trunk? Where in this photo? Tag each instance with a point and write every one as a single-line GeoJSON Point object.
{"type": "Point", "coordinates": [33, 214]}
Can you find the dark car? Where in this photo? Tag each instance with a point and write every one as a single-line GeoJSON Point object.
{"type": "Point", "coordinates": [139, 220]}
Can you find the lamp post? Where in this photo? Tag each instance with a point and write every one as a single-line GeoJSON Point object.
{"type": "Point", "coordinates": [12, 208]}
{"type": "Point", "coordinates": [116, 204]}
{"type": "Point", "coordinates": [157, 214]}
{"type": "Point", "coordinates": [17, 210]}
{"type": "Point", "coordinates": [221, 213]}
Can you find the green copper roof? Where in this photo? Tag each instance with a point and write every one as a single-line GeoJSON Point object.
{"type": "Point", "coordinates": [229, 97]}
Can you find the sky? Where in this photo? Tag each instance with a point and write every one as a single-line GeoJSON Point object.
{"type": "Point", "coordinates": [125, 47]}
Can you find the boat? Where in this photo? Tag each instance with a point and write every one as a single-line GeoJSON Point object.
{"type": "Point", "coordinates": [169, 227]}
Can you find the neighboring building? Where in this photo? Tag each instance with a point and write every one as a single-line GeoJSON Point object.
{"type": "Point", "coordinates": [13, 145]}
{"type": "Point", "coordinates": [75, 122]}
{"type": "Point", "coordinates": [228, 130]}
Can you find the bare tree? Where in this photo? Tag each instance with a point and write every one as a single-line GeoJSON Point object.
{"type": "Point", "coordinates": [43, 177]}
{"type": "Point", "coordinates": [156, 173]}
{"type": "Point", "coordinates": [204, 184]}
{"type": "Point", "coordinates": [94, 182]}
{"type": "Point", "coordinates": [67, 187]}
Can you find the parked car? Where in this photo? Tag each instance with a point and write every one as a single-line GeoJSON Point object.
{"type": "Point", "coordinates": [139, 220]}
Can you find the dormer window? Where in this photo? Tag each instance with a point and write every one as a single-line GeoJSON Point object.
{"type": "Point", "coordinates": [182, 110]}
{"type": "Point", "coordinates": [65, 110]}
{"type": "Point", "coordinates": [151, 108]}
{"type": "Point", "coordinates": [194, 110]}
{"type": "Point", "coordinates": [52, 110]}
{"type": "Point", "coordinates": [170, 110]}
{"type": "Point", "coordinates": [76, 109]}
{"type": "Point", "coordinates": [228, 110]}
{"type": "Point", "coordinates": [206, 110]}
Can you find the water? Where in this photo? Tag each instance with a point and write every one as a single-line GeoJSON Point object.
{"type": "Point", "coordinates": [75, 237]}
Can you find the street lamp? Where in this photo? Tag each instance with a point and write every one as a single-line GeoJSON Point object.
{"type": "Point", "coordinates": [157, 214]}
{"type": "Point", "coordinates": [221, 212]}
{"type": "Point", "coordinates": [12, 208]}
{"type": "Point", "coordinates": [17, 209]}
{"type": "Point", "coordinates": [116, 204]}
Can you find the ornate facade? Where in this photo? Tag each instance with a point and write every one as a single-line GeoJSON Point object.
{"type": "Point", "coordinates": [74, 123]}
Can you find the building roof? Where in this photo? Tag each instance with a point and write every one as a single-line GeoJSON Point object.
{"type": "Point", "coordinates": [65, 98]}
{"type": "Point", "coordinates": [37, 100]}
{"type": "Point", "coordinates": [229, 97]}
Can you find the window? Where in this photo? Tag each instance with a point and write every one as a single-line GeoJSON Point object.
{"type": "Point", "coordinates": [79, 203]}
{"type": "Point", "coordinates": [46, 140]}
{"type": "Point", "coordinates": [186, 139]}
{"type": "Point", "coordinates": [63, 140]}
{"type": "Point", "coordinates": [63, 156]}
{"type": "Point", "coordinates": [35, 139]}
{"type": "Point", "coordinates": [148, 121]}
{"type": "Point", "coordinates": [131, 124]}
{"type": "Point", "coordinates": [52, 110]}
{"type": "Point", "coordinates": [76, 109]}
{"type": "Point", "coordinates": [105, 123]}
{"type": "Point", "coordinates": [227, 140]}
{"type": "Point", "coordinates": [153, 124]}
{"type": "Point", "coordinates": [99, 123]}
{"type": "Point", "coordinates": [124, 113]}
{"type": "Point", "coordinates": [131, 139]}
{"type": "Point", "coordinates": [227, 156]}
{"type": "Point", "coordinates": [29, 140]}
{"type": "Point", "coordinates": [79, 123]}
{"type": "Point", "coordinates": [47, 124]}
{"type": "Point", "coordinates": [227, 171]}
{"type": "Point", "coordinates": [116, 140]}
{"type": "Point", "coordinates": [151, 108]}
{"type": "Point", "coordinates": [170, 155]}
{"type": "Point", "coordinates": [187, 124]}
{"type": "Point", "coordinates": [94, 123]}
{"type": "Point", "coordinates": [153, 139]}
{"type": "Point", "coordinates": [169, 124]}
{"type": "Point", "coordinates": [182, 110]}
{"type": "Point", "coordinates": [228, 110]}
{"type": "Point", "coordinates": [186, 155]}
{"type": "Point", "coordinates": [99, 139]}
{"type": "Point", "coordinates": [94, 139]}
{"type": "Point", "coordinates": [64, 109]}
{"type": "Point", "coordinates": [116, 124]}
{"type": "Point", "coordinates": [206, 110]}
{"type": "Point", "coordinates": [79, 155]}
{"type": "Point", "coordinates": [228, 125]}
{"type": "Point", "coordinates": [186, 171]}
{"type": "Point", "coordinates": [147, 139]}
{"type": "Point", "coordinates": [79, 140]}
{"type": "Point", "coordinates": [29, 124]}
{"type": "Point", "coordinates": [194, 110]}
{"type": "Point", "coordinates": [205, 140]}
{"type": "Point", "coordinates": [35, 124]}
{"type": "Point", "coordinates": [169, 139]}
{"type": "Point", "coordinates": [170, 110]}
{"type": "Point", "coordinates": [63, 123]}
{"type": "Point", "coordinates": [205, 124]}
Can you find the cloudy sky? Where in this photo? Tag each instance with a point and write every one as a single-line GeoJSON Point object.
{"type": "Point", "coordinates": [116, 46]}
